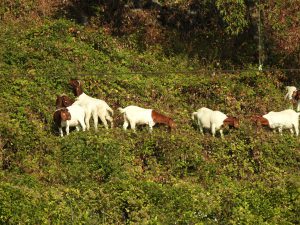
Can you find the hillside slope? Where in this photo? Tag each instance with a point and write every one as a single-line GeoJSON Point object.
{"type": "Point", "coordinates": [117, 177]}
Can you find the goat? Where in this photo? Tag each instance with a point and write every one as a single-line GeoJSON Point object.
{"type": "Point", "coordinates": [67, 117]}
{"type": "Point", "coordinates": [213, 120]}
{"type": "Point", "coordinates": [89, 110]}
{"type": "Point", "coordinates": [290, 91]}
{"type": "Point", "coordinates": [134, 115]}
{"type": "Point", "coordinates": [93, 107]}
{"type": "Point", "coordinates": [296, 98]}
{"type": "Point", "coordinates": [286, 119]}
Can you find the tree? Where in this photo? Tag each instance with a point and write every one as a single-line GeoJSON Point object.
{"type": "Point", "coordinates": [282, 25]}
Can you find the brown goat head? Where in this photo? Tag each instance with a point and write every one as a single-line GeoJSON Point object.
{"type": "Point", "coordinates": [160, 118]}
{"type": "Point", "coordinates": [74, 83]}
{"type": "Point", "coordinates": [232, 121]}
{"type": "Point", "coordinates": [172, 124]}
{"type": "Point", "coordinates": [66, 101]}
{"type": "Point", "coordinates": [296, 95]}
{"type": "Point", "coordinates": [260, 120]}
{"type": "Point", "coordinates": [60, 115]}
{"type": "Point", "coordinates": [76, 86]}
{"type": "Point", "coordinates": [65, 114]}
{"type": "Point", "coordinates": [63, 101]}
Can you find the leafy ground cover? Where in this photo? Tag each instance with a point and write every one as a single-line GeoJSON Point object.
{"type": "Point", "coordinates": [117, 177]}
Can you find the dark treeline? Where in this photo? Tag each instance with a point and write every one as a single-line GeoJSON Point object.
{"type": "Point", "coordinates": [217, 31]}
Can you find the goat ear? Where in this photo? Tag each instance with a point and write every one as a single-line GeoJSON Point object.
{"type": "Point", "coordinates": [61, 112]}
{"type": "Point", "coordinates": [80, 83]}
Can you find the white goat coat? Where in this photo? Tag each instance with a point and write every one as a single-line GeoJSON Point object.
{"type": "Point", "coordinates": [95, 107]}
{"type": "Point", "coordinates": [135, 115]}
{"type": "Point", "coordinates": [77, 118]}
{"type": "Point", "coordinates": [286, 119]}
{"type": "Point", "coordinates": [202, 117]}
{"type": "Point", "coordinates": [290, 91]}
{"type": "Point", "coordinates": [207, 118]}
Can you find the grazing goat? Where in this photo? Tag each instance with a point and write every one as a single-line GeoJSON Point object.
{"type": "Point", "coordinates": [134, 115]}
{"type": "Point", "coordinates": [286, 119]}
{"type": "Point", "coordinates": [214, 120]}
{"type": "Point", "coordinates": [296, 97]}
{"type": "Point", "coordinates": [93, 107]}
{"type": "Point", "coordinates": [290, 91]}
{"type": "Point", "coordinates": [71, 116]}
{"type": "Point", "coordinates": [89, 109]}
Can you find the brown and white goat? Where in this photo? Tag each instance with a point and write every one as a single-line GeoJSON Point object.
{"type": "Point", "coordinates": [290, 91]}
{"type": "Point", "coordinates": [286, 119]}
{"type": "Point", "coordinates": [71, 116]}
{"type": "Point", "coordinates": [213, 120]}
{"type": "Point", "coordinates": [93, 107]}
{"type": "Point", "coordinates": [135, 115]}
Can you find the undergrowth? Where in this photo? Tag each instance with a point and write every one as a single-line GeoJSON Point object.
{"type": "Point", "coordinates": [117, 177]}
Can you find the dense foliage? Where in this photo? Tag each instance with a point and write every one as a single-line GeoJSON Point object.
{"type": "Point", "coordinates": [117, 177]}
{"type": "Point", "coordinates": [222, 32]}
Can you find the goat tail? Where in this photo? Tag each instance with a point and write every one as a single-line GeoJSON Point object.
{"type": "Point", "coordinates": [110, 110]}
{"type": "Point", "coordinates": [286, 96]}
{"type": "Point", "coordinates": [121, 110]}
{"type": "Point", "coordinates": [194, 115]}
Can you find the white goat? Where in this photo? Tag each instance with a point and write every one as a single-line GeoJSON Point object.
{"type": "Point", "coordinates": [64, 101]}
{"type": "Point", "coordinates": [213, 120]}
{"type": "Point", "coordinates": [286, 119]}
{"type": "Point", "coordinates": [93, 107]}
{"type": "Point", "coordinates": [72, 116]}
{"type": "Point", "coordinates": [290, 91]}
{"type": "Point", "coordinates": [134, 115]}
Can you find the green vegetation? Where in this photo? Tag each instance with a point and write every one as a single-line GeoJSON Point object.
{"type": "Point", "coordinates": [117, 177]}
